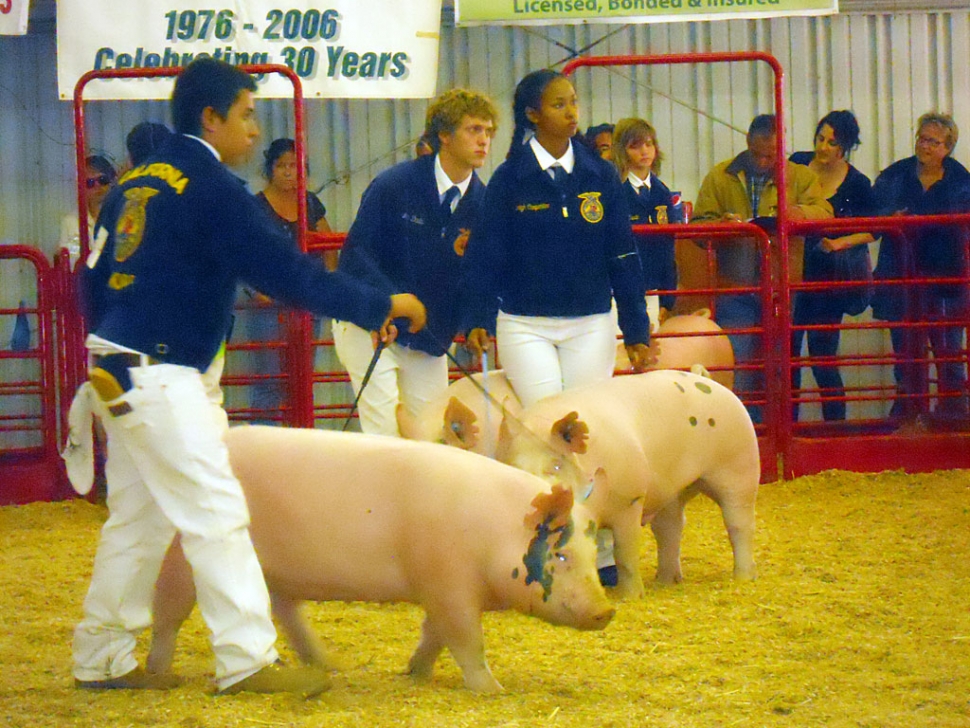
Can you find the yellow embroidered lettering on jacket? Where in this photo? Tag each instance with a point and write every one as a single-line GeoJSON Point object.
{"type": "Point", "coordinates": [533, 207]}
{"type": "Point", "coordinates": [172, 176]}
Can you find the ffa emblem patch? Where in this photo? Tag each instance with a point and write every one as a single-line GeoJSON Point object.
{"type": "Point", "coordinates": [591, 208]}
{"type": "Point", "coordinates": [662, 218]}
{"type": "Point", "coordinates": [461, 241]}
{"type": "Point", "coordinates": [130, 227]}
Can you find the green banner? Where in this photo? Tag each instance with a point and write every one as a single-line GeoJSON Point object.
{"type": "Point", "coordinates": [558, 12]}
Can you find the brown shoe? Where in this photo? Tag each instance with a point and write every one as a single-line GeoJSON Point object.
{"type": "Point", "coordinates": [137, 679]}
{"type": "Point", "coordinates": [304, 681]}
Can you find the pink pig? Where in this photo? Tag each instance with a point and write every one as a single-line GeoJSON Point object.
{"type": "Point", "coordinates": [463, 416]}
{"type": "Point", "coordinates": [640, 447]}
{"type": "Point", "coordinates": [685, 341]}
{"type": "Point", "coordinates": [342, 516]}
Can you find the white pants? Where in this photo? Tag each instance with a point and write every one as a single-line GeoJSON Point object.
{"type": "Point", "coordinates": [168, 471]}
{"type": "Point", "coordinates": [406, 376]}
{"type": "Point", "coordinates": [542, 356]}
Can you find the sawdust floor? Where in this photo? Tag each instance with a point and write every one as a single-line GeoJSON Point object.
{"type": "Point", "coordinates": [860, 617]}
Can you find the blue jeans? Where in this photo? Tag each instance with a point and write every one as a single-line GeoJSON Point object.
{"type": "Point", "coordinates": [263, 324]}
{"type": "Point", "coordinates": [812, 308]}
{"type": "Point", "coordinates": [743, 311]}
{"type": "Point", "coordinates": [945, 342]}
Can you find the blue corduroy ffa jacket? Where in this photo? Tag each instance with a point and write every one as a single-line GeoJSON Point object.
{"type": "Point", "coordinates": [182, 231]}
{"type": "Point", "coordinates": [654, 206]}
{"type": "Point", "coordinates": [401, 241]}
{"type": "Point", "coordinates": [544, 251]}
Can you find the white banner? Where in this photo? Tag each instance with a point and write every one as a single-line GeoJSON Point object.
{"type": "Point", "coordinates": [338, 48]}
{"type": "Point", "coordinates": [559, 12]}
{"type": "Point", "coordinates": [13, 17]}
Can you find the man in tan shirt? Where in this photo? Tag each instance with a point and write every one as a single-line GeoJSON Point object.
{"type": "Point", "coordinates": [739, 190]}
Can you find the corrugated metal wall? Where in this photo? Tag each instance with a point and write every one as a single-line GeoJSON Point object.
{"type": "Point", "coordinates": [888, 68]}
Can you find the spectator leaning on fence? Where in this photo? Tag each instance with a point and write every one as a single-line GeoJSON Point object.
{"type": "Point", "coordinates": [930, 182]}
{"type": "Point", "coordinates": [739, 190]}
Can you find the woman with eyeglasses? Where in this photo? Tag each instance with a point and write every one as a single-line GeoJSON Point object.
{"type": "Point", "coordinates": [930, 182]}
{"type": "Point", "coordinates": [99, 178]}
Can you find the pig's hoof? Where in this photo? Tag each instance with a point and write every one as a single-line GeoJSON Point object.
{"type": "Point", "coordinates": [626, 595]}
{"type": "Point", "coordinates": [485, 685]}
{"type": "Point", "coordinates": [627, 592]}
{"type": "Point", "coordinates": [749, 574]}
{"type": "Point", "coordinates": [420, 673]}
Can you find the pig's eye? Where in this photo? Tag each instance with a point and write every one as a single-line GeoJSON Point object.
{"type": "Point", "coordinates": [561, 556]}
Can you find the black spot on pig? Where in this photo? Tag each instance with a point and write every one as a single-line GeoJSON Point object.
{"type": "Point", "coordinates": [542, 550]}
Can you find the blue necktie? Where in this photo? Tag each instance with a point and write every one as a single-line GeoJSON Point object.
{"type": "Point", "coordinates": [559, 175]}
{"type": "Point", "coordinates": [450, 195]}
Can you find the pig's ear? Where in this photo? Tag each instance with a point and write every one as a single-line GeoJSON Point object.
{"type": "Point", "coordinates": [703, 312]}
{"type": "Point", "coordinates": [505, 435]}
{"type": "Point", "coordinates": [572, 431]}
{"type": "Point", "coordinates": [460, 428]}
{"type": "Point", "coordinates": [552, 509]}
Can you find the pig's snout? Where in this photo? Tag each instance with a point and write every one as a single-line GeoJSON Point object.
{"type": "Point", "coordinates": [599, 620]}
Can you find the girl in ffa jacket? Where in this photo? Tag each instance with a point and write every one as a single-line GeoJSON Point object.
{"type": "Point", "coordinates": [637, 157]}
{"type": "Point", "coordinates": [553, 245]}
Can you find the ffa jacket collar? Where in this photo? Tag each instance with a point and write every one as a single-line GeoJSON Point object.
{"type": "Point", "coordinates": [586, 163]}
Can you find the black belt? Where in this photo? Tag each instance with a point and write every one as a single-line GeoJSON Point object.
{"type": "Point", "coordinates": [122, 359]}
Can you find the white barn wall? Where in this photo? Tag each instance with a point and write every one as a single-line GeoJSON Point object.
{"type": "Point", "coordinates": [887, 68]}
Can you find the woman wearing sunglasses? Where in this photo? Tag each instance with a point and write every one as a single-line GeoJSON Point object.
{"type": "Point", "coordinates": [99, 177]}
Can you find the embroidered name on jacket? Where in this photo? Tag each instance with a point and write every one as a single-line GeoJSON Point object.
{"type": "Point", "coordinates": [412, 218]}
{"type": "Point", "coordinates": [591, 208]}
{"type": "Point", "coordinates": [533, 207]}
{"type": "Point", "coordinates": [166, 172]}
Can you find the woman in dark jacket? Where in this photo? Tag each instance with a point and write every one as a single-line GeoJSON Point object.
{"type": "Point", "coordinates": [554, 243]}
{"type": "Point", "coordinates": [929, 183]}
{"type": "Point", "coordinates": [832, 259]}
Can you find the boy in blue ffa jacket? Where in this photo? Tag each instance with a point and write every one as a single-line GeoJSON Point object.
{"type": "Point", "coordinates": [554, 244]}
{"type": "Point", "coordinates": [174, 239]}
{"type": "Point", "coordinates": [410, 235]}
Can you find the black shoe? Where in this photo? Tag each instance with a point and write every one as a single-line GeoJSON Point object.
{"type": "Point", "coordinates": [608, 576]}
